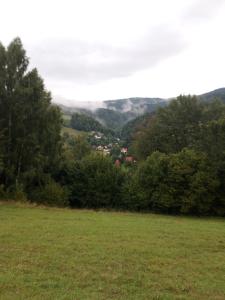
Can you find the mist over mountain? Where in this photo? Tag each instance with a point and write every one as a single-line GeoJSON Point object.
{"type": "Point", "coordinates": [114, 114]}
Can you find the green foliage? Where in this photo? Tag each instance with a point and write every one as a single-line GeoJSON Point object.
{"type": "Point", "coordinates": [180, 180]}
{"type": "Point", "coordinates": [14, 192]}
{"type": "Point", "coordinates": [183, 123]}
{"type": "Point", "coordinates": [175, 183]}
{"type": "Point", "coordinates": [115, 152]}
{"type": "Point", "coordinates": [76, 147]}
{"type": "Point", "coordinates": [85, 123]}
{"type": "Point", "coordinates": [3, 194]}
{"type": "Point", "coordinates": [30, 136]}
{"type": "Point", "coordinates": [212, 139]}
{"type": "Point", "coordinates": [17, 193]}
{"type": "Point", "coordinates": [51, 193]}
{"type": "Point", "coordinates": [111, 118]}
{"type": "Point", "coordinates": [132, 126]}
{"type": "Point", "coordinates": [133, 197]}
{"type": "Point", "coordinates": [173, 128]}
{"type": "Point", "coordinates": [94, 182]}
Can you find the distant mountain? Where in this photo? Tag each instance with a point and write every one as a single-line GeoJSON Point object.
{"type": "Point", "coordinates": [137, 105]}
{"type": "Point", "coordinates": [114, 114]}
{"type": "Point", "coordinates": [219, 93]}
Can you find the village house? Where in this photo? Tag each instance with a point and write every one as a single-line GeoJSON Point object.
{"type": "Point", "coordinates": [117, 163]}
{"type": "Point", "coordinates": [129, 159]}
{"type": "Point", "coordinates": [106, 151]}
{"type": "Point", "coordinates": [99, 148]}
{"type": "Point", "coordinates": [124, 150]}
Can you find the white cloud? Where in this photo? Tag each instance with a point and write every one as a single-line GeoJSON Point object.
{"type": "Point", "coordinates": [96, 50]}
{"type": "Point", "coordinates": [85, 62]}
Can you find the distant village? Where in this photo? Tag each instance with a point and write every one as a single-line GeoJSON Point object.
{"type": "Point", "coordinates": [112, 146]}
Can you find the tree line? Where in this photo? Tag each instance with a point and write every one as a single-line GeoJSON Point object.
{"type": "Point", "coordinates": [180, 151]}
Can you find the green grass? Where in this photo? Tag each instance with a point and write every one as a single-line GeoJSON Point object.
{"type": "Point", "coordinates": [66, 117]}
{"type": "Point", "coordinates": [48, 253]}
{"type": "Point", "coordinates": [72, 132]}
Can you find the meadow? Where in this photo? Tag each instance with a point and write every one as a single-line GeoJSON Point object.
{"type": "Point", "coordinates": [51, 253]}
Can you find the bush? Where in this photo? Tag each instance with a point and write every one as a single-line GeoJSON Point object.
{"type": "Point", "coordinates": [17, 193]}
{"type": "Point", "coordinates": [94, 182]}
{"type": "Point", "coordinates": [174, 183]}
{"type": "Point", "coordinates": [51, 193]}
{"type": "Point", "coordinates": [3, 194]}
{"type": "Point", "coordinates": [133, 197]}
{"type": "Point", "coordinates": [14, 192]}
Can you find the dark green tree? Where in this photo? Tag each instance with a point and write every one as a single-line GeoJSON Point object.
{"type": "Point", "coordinates": [184, 182]}
{"type": "Point", "coordinates": [30, 124]}
{"type": "Point", "coordinates": [173, 128]}
{"type": "Point", "coordinates": [182, 124]}
{"type": "Point", "coordinates": [94, 182]}
{"type": "Point", "coordinates": [76, 147]}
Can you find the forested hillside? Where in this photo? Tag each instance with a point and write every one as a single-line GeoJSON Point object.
{"type": "Point", "coordinates": [85, 123]}
{"type": "Point", "coordinates": [210, 96]}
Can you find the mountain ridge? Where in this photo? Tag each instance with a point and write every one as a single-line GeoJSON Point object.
{"type": "Point", "coordinates": [115, 114]}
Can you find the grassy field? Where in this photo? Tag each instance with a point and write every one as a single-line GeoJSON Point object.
{"type": "Point", "coordinates": [72, 132]}
{"type": "Point", "coordinates": [48, 253]}
{"type": "Point", "coordinates": [66, 117]}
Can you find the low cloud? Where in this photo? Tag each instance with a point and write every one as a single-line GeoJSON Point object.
{"type": "Point", "coordinates": [90, 105]}
{"type": "Point", "coordinates": [85, 62]}
{"type": "Point", "coordinates": [203, 9]}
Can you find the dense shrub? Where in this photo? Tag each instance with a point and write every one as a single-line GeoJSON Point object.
{"type": "Point", "coordinates": [185, 123]}
{"type": "Point", "coordinates": [133, 197]}
{"type": "Point", "coordinates": [15, 192]}
{"type": "Point", "coordinates": [94, 182]}
{"type": "Point", "coordinates": [51, 193]}
{"type": "Point", "coordinates": [3, 194]}
{"type": "Point", "coordinates": [176, 183]}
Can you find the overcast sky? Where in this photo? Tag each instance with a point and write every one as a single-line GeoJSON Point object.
{"type": "Point", "coordinates": [90, 50]}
